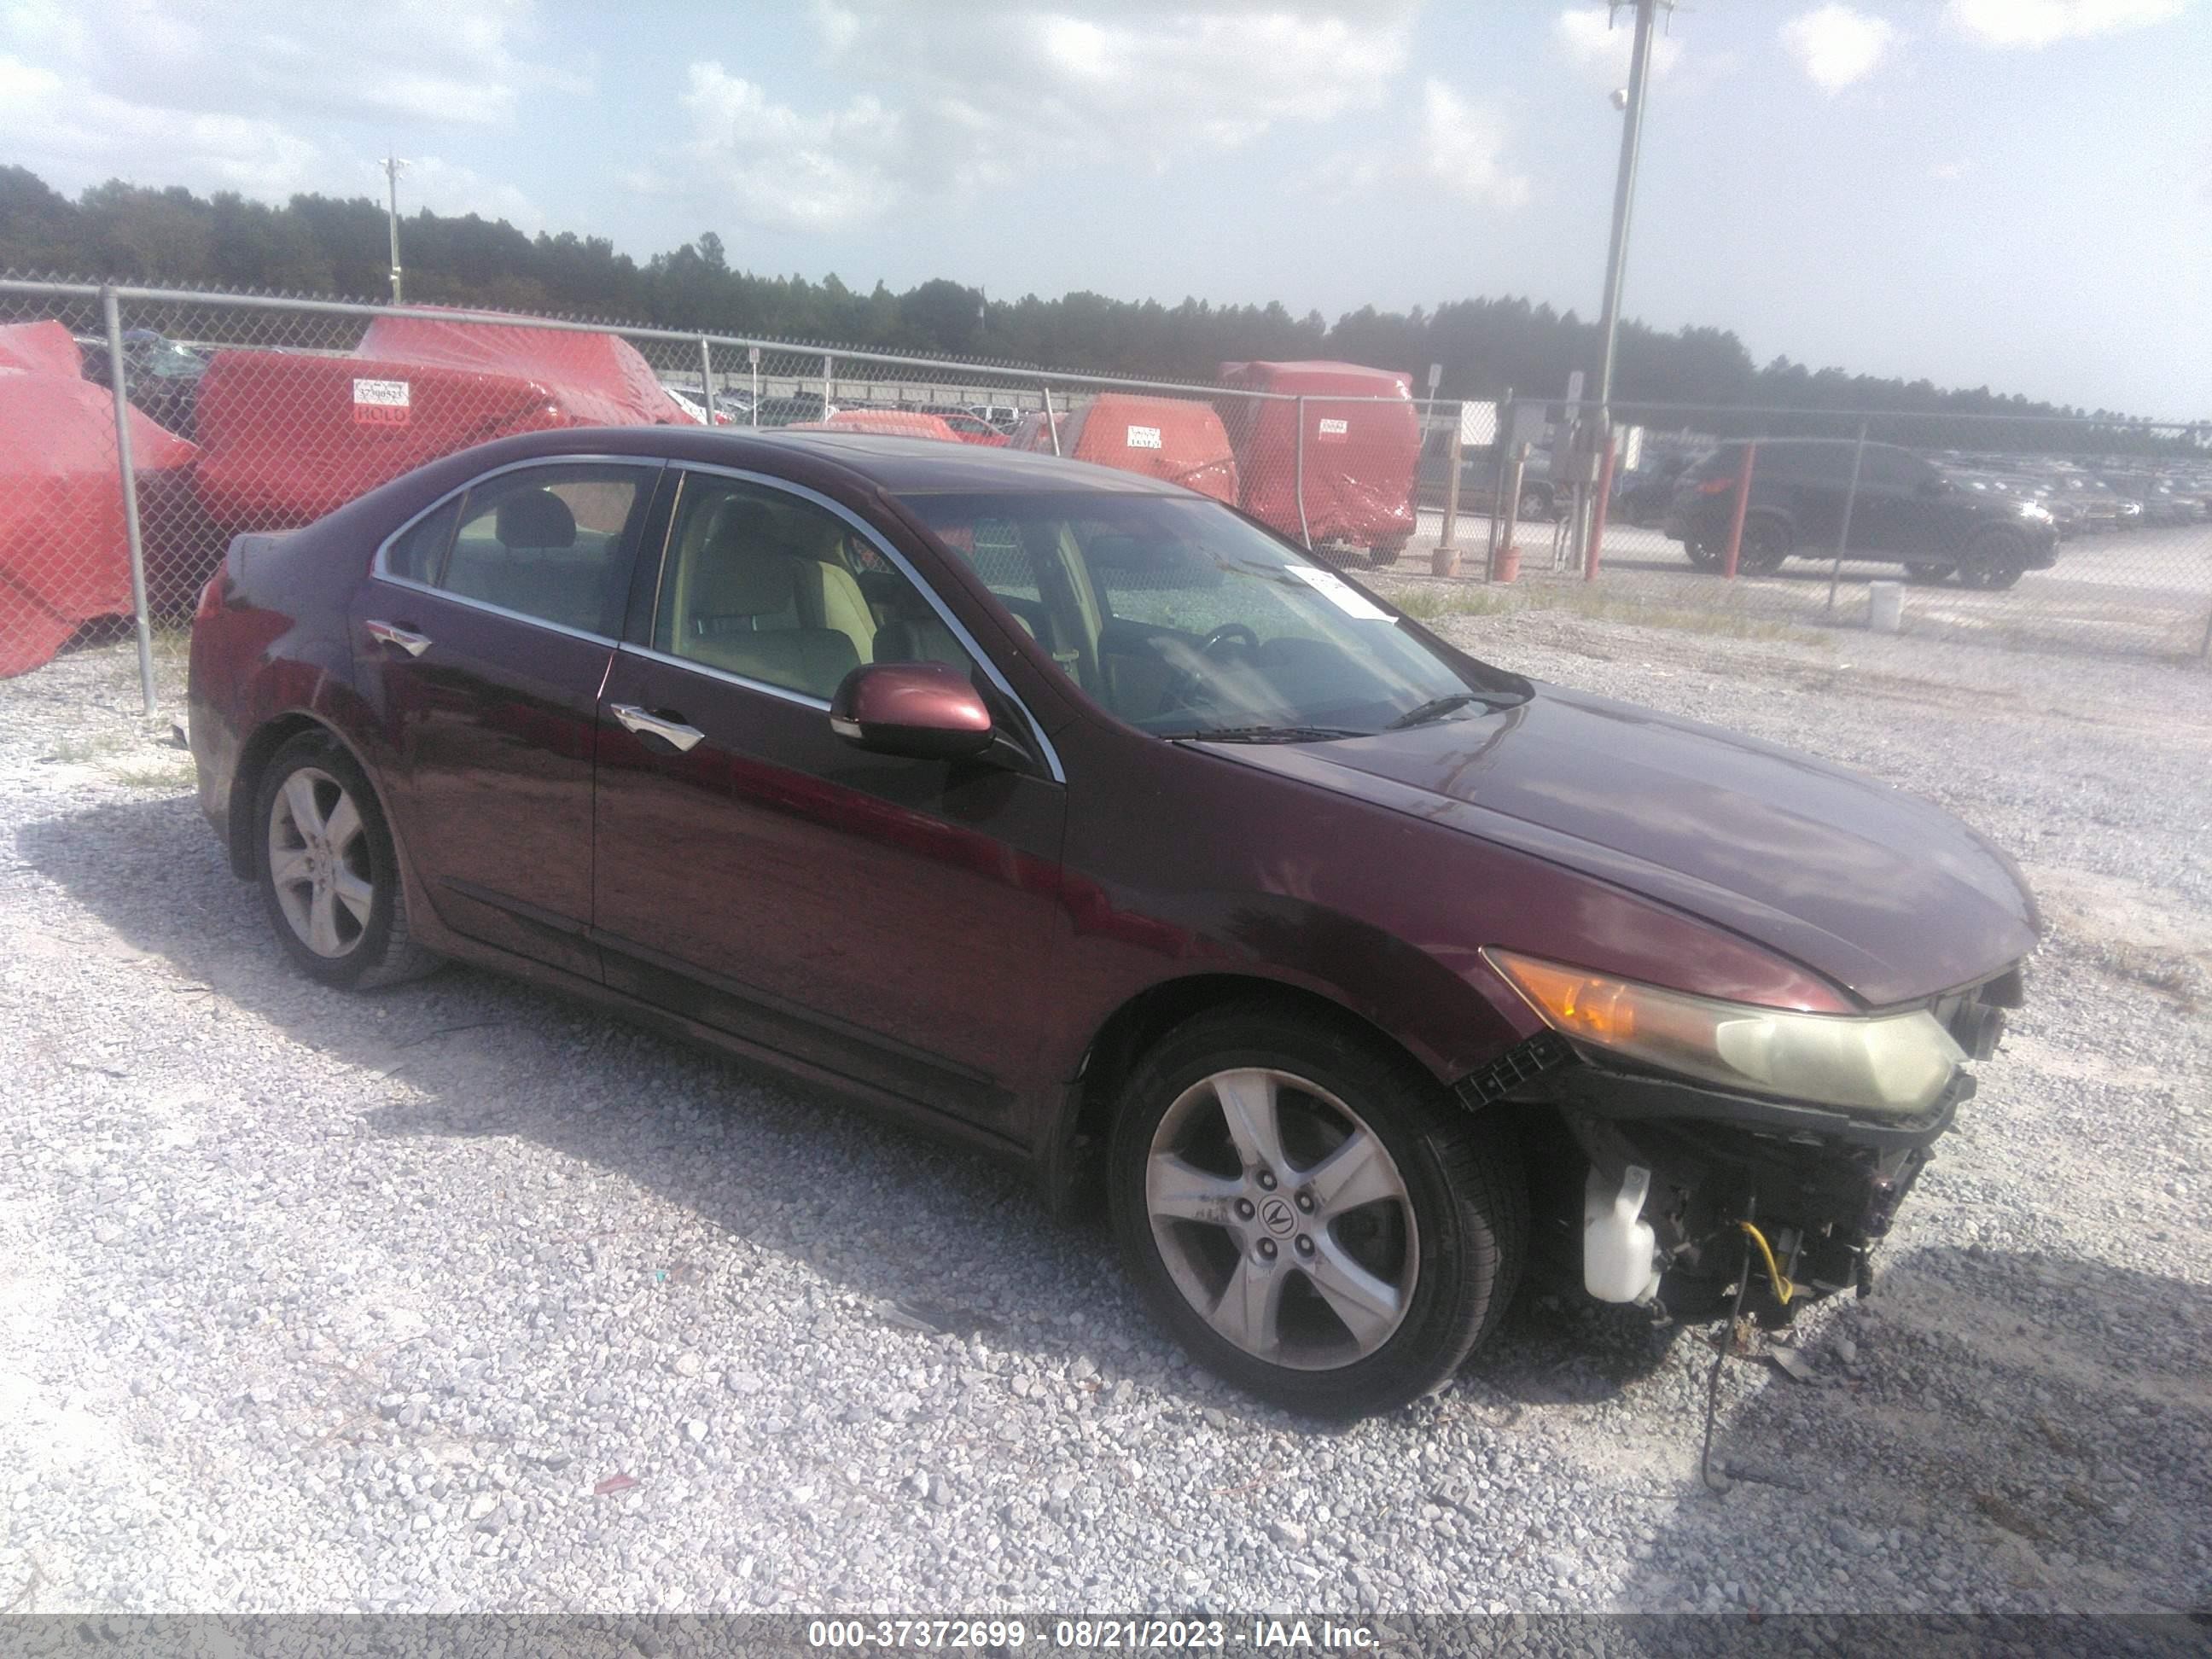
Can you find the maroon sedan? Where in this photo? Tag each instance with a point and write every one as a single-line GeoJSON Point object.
{"type": "Point", "coordinates": [1081, 817]}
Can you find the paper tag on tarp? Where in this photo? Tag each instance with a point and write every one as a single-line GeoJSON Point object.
{"type": "Point", "coordinates": [1334, 432]}
{"type": "Point", "coordinates": [1339, 593]}
{"type": "Point", "coordinates": [1144, 437]}
{"type": "Point", "coordinates": [381, 403]}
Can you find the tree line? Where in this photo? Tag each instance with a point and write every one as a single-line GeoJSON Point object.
{"type": "Point", "coordinates": [322, 245]}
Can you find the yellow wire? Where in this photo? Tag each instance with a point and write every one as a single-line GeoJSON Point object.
{"type": "Point", "coordinates": [1783, 1289]}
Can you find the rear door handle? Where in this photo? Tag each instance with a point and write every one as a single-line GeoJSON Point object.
{"type": "Point", "coordinates": [406, 639]}
{"type": "Point", "coordinates": [634, 719]}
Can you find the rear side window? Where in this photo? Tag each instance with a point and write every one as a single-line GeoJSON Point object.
{"type": "Point", "coordinates": [418, 554]}
{"type": "Point", "coordinates": [551, 542]}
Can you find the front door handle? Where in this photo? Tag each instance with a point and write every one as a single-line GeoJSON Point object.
{"type": "Point", "coordinates": [634, 719]}
{"type": "Point", "coordinates": [406, 639]}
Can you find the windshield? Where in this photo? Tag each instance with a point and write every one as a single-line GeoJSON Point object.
{"type": "Point", "coordinates": [1183, 619]}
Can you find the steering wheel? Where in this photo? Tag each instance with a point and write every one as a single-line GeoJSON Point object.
{"type": "Point", "coordinates": [1227, 631]}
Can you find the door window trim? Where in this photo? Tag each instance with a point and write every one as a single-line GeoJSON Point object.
{"type": "Point", "coordinates": [875, 539]}
{"type": "Point", "coordinates": [379, 569]}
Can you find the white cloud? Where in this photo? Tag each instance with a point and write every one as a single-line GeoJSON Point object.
{"type": "Point", "coordinates": [1837, 46]}
{"type": "Point", "coordinates": [1463, 150]}
{"type": "Point", "coordinates": [775, 165]}
{"type": "Point", "coordinates": [2038, 23]}
{"type": "Point", "coordinates": [1590, 40]}
{"type": "Point", "coordinates": [957, 98]}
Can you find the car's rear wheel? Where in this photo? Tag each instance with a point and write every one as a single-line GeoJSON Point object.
{"type": "Point", "coordinates": [1927, 573]}
{"type": "Point", "coordinates": [1993, 560]}
{"type": "Point", "coordinates": [1765, 544]}
{"type": "Point", "coordinates": [1310, 1215]}
{"type": "Point", "coordinates": [330, 876]}
{"type": "Point", "coordinates": [1704, 554]}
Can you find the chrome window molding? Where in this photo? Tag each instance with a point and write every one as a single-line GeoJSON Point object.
{"type": "Point", "coordinates": [766, 688]}
{"type": "Point", "coordinates": [501, 611]}
{"type": "Point", "coordinates": [380, 565]}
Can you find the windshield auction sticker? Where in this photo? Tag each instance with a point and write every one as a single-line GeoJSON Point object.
{"type": "Point", "coordinates": [381, 403]}
{"type": "Point", "coordinates": [1340, 592]}
{"type": "Point", "coordinates": [1144, 437]}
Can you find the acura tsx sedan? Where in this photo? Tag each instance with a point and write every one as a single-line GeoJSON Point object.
{"type": "Point", "coordinates": [1084, 820]}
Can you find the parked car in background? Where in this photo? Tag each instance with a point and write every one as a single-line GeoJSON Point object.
{"type": "Point", "coordinates": [1641, 497]}
{"type": "Point", "coordinates": [1905, 512]}
{"type": "Point", "coordinates": [1083, 819]}
{"type": "Point", "coordinates": [1002, 416]}
{"type": "Point", "coordinates": [884, 423]}
{"type": "Point", "coordinates": [1178, 438]}
{"type": "Point", "coordinates": [793, 410]}
{"type": "Point", "coordinates": [1345, 482]}
{"type": "Point", "coordinates": [967, 427]}
{"type": "Point", "coordinates": [690, 404]}
{"type": "Point", "coordinates": [160, 376]}
{"type": "Point", "coordinates": [1481, 476]}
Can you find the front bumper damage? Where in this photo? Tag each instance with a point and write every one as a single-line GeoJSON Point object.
{"type": "Point", "coordinates": [1670, 1172]}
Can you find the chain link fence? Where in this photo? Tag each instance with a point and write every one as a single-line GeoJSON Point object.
{"type": "Point", "coordinates": [242, 412]}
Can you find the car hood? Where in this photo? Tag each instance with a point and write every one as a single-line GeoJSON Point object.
{"type": "Point", "coordinates": [1888, 897]}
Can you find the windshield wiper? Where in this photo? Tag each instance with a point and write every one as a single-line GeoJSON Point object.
{"type": "Point", "coordinates": [1263, 734]}
{"type": "Point", "coordinates": [1435, 708]}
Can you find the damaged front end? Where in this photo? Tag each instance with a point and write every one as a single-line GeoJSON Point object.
{"type": "Point", "coordinates": [1670, 1187]}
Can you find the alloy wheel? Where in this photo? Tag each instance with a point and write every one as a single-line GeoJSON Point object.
{"type": "Point", "coordinates": [318, 862]}
{"type": "Point", "coordinates": [1282, 1219]}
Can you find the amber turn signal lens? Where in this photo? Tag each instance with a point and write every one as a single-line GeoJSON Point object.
{"type": "Point", "coordinates": [1584, 1004]}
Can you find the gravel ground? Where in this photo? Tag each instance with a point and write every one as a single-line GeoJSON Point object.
{"type": "Point", "coordinates": [460, 1296]}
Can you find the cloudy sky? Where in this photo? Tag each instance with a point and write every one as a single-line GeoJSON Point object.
{"type": "Point", "coordinates": [2016, 192]}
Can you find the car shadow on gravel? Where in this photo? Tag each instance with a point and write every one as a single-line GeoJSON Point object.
{"type": "Point", "coordinates": [1990, 1429]}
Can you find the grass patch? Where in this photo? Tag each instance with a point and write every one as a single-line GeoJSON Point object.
{"type": "Point", "coordinates": [173, 771]}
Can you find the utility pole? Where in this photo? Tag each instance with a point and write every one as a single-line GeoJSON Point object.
{"type": "Point", "coordinates": [1624, 193]}
{"type": "Point", "coordinates": [393, 166]}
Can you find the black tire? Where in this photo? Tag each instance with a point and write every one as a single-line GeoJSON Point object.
{"type": "Point", "coordinates": [1385, 554]}
{"type": "Point", "coordinates": [1460, 1183]}
{"type": "Point", "coordinates": [1703, 555]}
{"type": "Point", "coordinates": [372, 951]}
{"type": "Point", "coordinates": [1765, 544]}
{"type": "Point", "coordinates": [1992, 561]}
{"type": "Point", "coordinates": [1927, 574]}
{"type": "Point", "coordinates": [1534, 503]}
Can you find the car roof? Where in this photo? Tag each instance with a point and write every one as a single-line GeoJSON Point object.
{"type": "Point", "coordinates": [902, 466]}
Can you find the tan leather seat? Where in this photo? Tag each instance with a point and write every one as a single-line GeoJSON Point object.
{"type": "Point", "coordinates": [742, 614]}
{"type": "Point", "coordinates": [829, 595]}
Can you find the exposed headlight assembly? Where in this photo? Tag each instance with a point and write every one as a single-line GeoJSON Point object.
{"type": "Point", "coordinates": [1885, 1065]}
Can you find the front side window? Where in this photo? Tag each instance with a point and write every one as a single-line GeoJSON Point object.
{"type": "Point", "coordinates": [774, 588]}
{"type": "Point", "coordinates": [1182, 618]}
{"type": "Point", "coordinates": [548, 542]}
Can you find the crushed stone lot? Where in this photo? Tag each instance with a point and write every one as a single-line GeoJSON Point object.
{"type": "Point", "coordinates": [463, 1296]}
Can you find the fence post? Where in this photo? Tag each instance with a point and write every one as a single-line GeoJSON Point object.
{"type": "Point", "coordinates": [127, 475]}
{"type": "Point", "coordinates": [1742, 500]}
{"type": "Point", "coordinates": [1509, 486]}
{"type": "Point", "coordinates": [1305, 531]}
{"type": "Point", "coordinates": [706, 377]}
{"type": "Point", "coordinates": [1843, 535]}
{"type": "Point", "coordinates": [1454, 451]}
{"type": "Point", "coordinates": [1051, 420]}
{"type": "Point", "coordinates": [1597, 510]}
{"type": "Point", "coordinates": [827, 387]}
{"type": "Point", "coordinates": [1502, 441]}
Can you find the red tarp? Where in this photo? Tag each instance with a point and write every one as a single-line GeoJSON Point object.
{"type": "Point", "coordinates": [1359, 459]}
{"type": "Point", "coordinates": [884, 423]}
{"type": "Point", "coordinates": [1161, 437]}
{"type": "Point", "coordinates": [287, 437]}
{"type": "Point", "coordinates": [65, 558]}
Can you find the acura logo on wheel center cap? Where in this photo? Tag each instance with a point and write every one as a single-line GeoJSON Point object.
{"type": "Point", "coordinates": [1281, 1219]}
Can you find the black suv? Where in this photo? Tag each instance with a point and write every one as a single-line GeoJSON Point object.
{"type": "Point", "coordinates": [1907, 512]}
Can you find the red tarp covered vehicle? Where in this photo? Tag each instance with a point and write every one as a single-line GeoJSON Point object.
{"type": "Point", "coordinates": [286, 437]}
{"type": "Point", "coordinates": [1161, 437]}
{"type": "Point", "coordinates": [886, 423]}
{"type": "Point", "coordinates": [65, 558]}
{"type": "Point", "coordinates": [1360, 457]}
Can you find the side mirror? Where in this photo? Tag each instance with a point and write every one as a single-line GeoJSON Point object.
{"type": "Point", "coordinates": [922, 710]}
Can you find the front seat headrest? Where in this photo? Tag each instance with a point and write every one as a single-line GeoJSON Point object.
{"type": "Point", "coordinates": [535, 518]}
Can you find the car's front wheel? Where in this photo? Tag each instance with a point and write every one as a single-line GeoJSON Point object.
{"type": "Point", "coordinates": [1311, 1216]}
{"type": "Point", "coordinates": [330, 878]}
